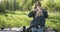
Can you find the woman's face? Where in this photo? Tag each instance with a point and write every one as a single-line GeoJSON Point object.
{"type": "Point", "coordinates": [37, 5]}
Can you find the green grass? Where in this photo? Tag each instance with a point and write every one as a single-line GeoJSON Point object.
{"type": "Point", "coordinates": [54, 21]}
{"type": "Point", "coordinates": [18, 19]}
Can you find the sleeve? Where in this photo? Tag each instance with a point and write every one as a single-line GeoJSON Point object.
{"type": "Point", "coordinates": [45, 14]}
{"type": "Point", "coordinates": [31, 14]}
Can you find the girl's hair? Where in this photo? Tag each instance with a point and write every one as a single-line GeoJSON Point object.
{"type": "Point", "coordinates": [38, 3]}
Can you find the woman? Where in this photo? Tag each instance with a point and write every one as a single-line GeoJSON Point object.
{"type": "Point", "coordinates": [39, 16]}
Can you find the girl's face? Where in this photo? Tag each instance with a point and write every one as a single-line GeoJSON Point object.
{"type": "Point", "coordinates": [37, 5]}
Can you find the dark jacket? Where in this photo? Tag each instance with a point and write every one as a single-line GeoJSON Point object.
{"type": "Point", "coordinates": [40, 20]}
{"type": "Point", "coordinates": [32, 14]}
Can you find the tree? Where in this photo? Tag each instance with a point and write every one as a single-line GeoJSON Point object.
{"type": "Point", "coordinates": [14, 5]}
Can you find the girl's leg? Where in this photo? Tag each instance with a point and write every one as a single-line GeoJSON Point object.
{"type": "Point", "coordinates": [34, 29]}
{"type": "Point", "coordinates": [34, 26]}
{"type": "Point", "coordinates": [40, 30]}
{"type": "Point", "coordinates": [42, 24]}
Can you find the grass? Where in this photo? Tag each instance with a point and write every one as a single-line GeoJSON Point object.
{"type": "Point", "coordinates": [54, 21]}
{"type": "Point", "coordinates": [15, 20]}
{"type": "Point", "coordinates": [18, 19]}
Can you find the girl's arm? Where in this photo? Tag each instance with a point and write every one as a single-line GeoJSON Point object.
{"type": "Point", "coordinates": [45, 13]}
{"type": "Point", "coordinates": [31, 14]}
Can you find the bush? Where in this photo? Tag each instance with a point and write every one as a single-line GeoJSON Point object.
{"type": "Point", "coordinates": [2, 24]}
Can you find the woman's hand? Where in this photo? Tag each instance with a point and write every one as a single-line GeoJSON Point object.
{"type": "Point", "coordinates": [35, 10]}
{"type": "Point", "coordinates": [38, 8]}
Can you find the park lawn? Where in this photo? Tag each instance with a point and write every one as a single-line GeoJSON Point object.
{"type": "Point", "coordinates": [18, 19]}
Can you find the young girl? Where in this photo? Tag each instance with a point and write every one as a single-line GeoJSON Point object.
{"type": "Point", "coordinates": [39, 16]}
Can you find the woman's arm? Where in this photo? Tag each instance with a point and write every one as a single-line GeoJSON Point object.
{"type": "Point", "coordinates": [45, 13]}
{"type": "Point", "coordinates": [31, 14]}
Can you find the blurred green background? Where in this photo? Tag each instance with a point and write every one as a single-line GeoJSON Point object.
{"type": "Point", "coordinates": [14, 13]}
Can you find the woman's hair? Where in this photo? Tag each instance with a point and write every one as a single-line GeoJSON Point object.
{"type": "Point", "coordinates": [38, 3]}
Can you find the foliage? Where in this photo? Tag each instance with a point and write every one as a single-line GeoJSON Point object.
{"type": "Point", "coordinates": [2, 9]}
{"type": "Point", "coordinates": [53, 21]}
{"type": "Point", "coordinates": [51, 5]}
{"type": "Point", "coordinates": [14, 20]}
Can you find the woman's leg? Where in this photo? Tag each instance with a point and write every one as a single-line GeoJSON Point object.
{"type": "Point", "coordinates": [41, 23]}
{"type": "Point", "coordinates": [40, 29]}
{"type": "Point", "coordinates": [34, 25]}
{"type": "Point", "coordinates": [34, 29]}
